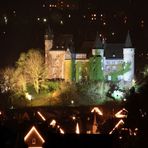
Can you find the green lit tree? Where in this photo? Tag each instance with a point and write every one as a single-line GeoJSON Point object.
{"type": "Point", "coordinates": [81, 71]}
{"type": "Point", "coordinates": [85, 71]}
{"type": "Point", "coordinates": [72, 69]}
{"type": "Point", "coordinates": [145, 71]}
{"type": "Point", "coordinates": [78, 71]}
{"type": "Point", "coordinates": [93, 92]}
{"type": "Point", "coordinates": [95, 69]}
{"type": "Point", "coordinates": [121, 70]}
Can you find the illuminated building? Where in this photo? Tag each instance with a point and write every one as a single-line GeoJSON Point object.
{"type": "Point", "coordinates": [34, 139]}
{"type": "Point", "coordinates": [107, 61]}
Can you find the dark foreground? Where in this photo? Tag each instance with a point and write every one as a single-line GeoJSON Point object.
{"type": "Point", "coordinates": [16, 123]}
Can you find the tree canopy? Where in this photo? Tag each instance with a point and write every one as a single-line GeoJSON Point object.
{"type": "Point", "coordinates": [33, 66]}
{"type": "Point", "coordinates": [30, 70]}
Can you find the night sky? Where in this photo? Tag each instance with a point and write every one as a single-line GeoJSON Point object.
{"type": "Point", "coordinates": [21, 30]}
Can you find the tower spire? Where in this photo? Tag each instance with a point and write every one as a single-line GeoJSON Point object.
{"type": "Point", "coordinates": [48, 40]}
{"type": "Point", "coordinates": [49, 34]}
{"type": "Point", "coordinates": [97, 43]}
{"type": "Point", "coordinates": [128, 42]}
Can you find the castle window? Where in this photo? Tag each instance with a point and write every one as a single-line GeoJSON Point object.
{"type": "Point", "coordinates": [107, 62]}
{"type": "Point", "coordinates": [109, 78]}
{"type": "Point", "coordinates": [120, 77]}
{"type": "Point", "coordinates": [114, 67]}
{"type": "Point", "coordinates": [113, 62]}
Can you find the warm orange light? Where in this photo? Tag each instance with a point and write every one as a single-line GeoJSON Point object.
{"type": "Point", "coordinates": [136, 129]}
{"type": "Point", "coordinates": [62, 131]}
{"type": "Point", "coordinates": [77, 129]}
{"type": "Point", "coordinates": [43, 118]}
{"type": "Point", "coordinates": [33, 129]}
{"type": "Point", "coordinates": [121, 122]}
{"type": "Point", "coordinates": [120, 114]}
{"type": "Point", "coordinates": [73, 117]}
{"type": "Point", "coordinates": [97, 110]}
{"type": "Point", "coordinates": [53, 123]}
{"type": "Point", "coordinates": [35, 147]}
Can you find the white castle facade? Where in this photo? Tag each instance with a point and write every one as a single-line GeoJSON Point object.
{"type": "Point", "coordinates": [117, 60]}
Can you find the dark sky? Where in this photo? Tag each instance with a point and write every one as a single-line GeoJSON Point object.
{"type": "Point", "coordinates": [22, 32]}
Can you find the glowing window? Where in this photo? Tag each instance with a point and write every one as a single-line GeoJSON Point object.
{"type": "Point", "coordinates": [109, 78]}
{"type": "Point", "coordinates": [33, 141]}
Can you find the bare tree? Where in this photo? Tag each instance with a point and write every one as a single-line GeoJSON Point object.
{"type": "Point", "coordinates": [7, 82]}
{"type": "Point", "coordinates": [13, 80]}
{"type": "Point", "coordinates": [32, 65]}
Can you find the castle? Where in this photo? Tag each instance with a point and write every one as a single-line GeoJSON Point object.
{"type": "Point", "coordinates": [110, 62]}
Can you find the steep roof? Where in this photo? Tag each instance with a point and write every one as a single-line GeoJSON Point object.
{"type": "Point", "coordinates": [48, 33]}
{"type": "Point", "coordinates": [62, 42]}
{"type": "Point", "coordinates": [33, 132]}
{"type": "Point", "coordinates": [86, 48]}
{"type": "Point", "coordinates": [97, 43]}
{"type": "Point", "coordinates": [128, 42]}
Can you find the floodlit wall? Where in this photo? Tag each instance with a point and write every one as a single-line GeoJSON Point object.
{"type": "Point", "coordinates": [96, 72]}
{"type": "Point", "coordinates": [128, 54]}
{"type": "Point", "coordinates": [62, 66]}
{"type": "Point", "coordinates": [68, 70]}
{"type": "Point", "coordinates": [56, 60]}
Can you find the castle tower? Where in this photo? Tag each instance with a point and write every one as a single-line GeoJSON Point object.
{"type": "Point", "coordinates": [98, 47]}
{"type": "Point", "coordinates": [70, 63]}
{"type": "Point", "coordinates": [97, 61]}
{"type": "Point", "coordinates": [128, 57]}
{"type": "Point", "coordinates": [48, 42]}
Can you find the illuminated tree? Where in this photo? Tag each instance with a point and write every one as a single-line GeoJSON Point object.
{"type": "Point", "coordinates": [81, 71]}
{"type": "Point", "coordinates": [32, 65]}
{"type": "Point", "coordinates": [21, 82]}
{"type": "Point", "coordinates": [7, 82]}
{"type": "Point", "coordinates": [96, 69]}
{"type": "Point", "coordinates": [85, 71]}
{"type": "Point", "coordinates": [145, 71]}
{"type": "Point", "coordinates": [120, 71]}
{"type": "Point", "coordinates": [13, 80]}
{"type": "Point", "coordinates": [73, 69]}
{"type": "Point", "coordinates": [78, 71]}
{"type": "Point", "coordinates": [93, 92]}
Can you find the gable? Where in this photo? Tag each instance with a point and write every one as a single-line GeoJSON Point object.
{"type": "Point", "coordinates": [33, 138]}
